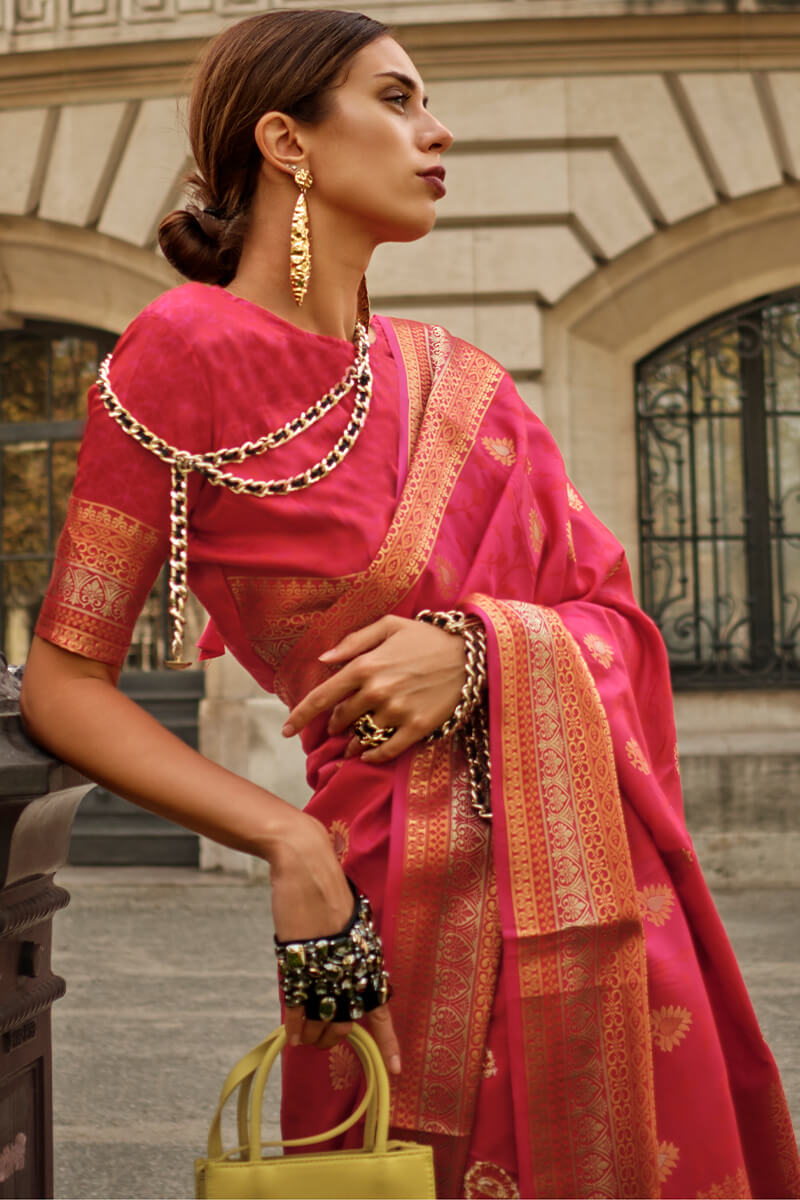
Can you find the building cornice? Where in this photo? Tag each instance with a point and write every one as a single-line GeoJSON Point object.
{"type": "Point", "coordinates": [161, 65]}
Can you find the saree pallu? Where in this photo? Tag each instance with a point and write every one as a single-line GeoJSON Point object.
{"type": "Point", "coordinates": [571, 1017]}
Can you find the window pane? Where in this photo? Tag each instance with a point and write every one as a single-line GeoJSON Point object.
{"type": "Point", "coordinates": [74, 370]}
{"type": "Point", "coordinates": [23, 378]}
{"type": "Point", "coordinates": [24, 586]}
{"type": "Point", "coordinates": [718, 418]}
{"type": "Point", "coordinates": [24, 497]}
{"type": "Point", "coordinates": [63, 466]}
{"type": "Point", "coordinates": [784, 328]}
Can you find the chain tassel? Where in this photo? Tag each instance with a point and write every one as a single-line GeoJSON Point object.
{"type": "Point", "coordinates": [178, 537]}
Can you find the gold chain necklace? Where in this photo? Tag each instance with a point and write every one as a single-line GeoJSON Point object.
{"type": "Point", "coordinates": [211, 466]}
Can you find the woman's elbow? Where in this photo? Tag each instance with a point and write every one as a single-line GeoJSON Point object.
{"type": "Point", "coordinates": [48, 680]}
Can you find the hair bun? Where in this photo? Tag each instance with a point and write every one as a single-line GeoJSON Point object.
{"type": "Point", "coordinates": [193, 241]}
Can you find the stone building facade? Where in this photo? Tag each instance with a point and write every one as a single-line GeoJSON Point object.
{"type": "Point", "coordinates": [623, 172]}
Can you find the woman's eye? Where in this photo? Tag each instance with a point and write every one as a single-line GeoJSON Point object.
{"type": "Point", "coordinates": [400, 98]}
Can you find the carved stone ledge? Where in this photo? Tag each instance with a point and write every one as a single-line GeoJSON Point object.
{"type": "Point", "coordinates": [155, 56]}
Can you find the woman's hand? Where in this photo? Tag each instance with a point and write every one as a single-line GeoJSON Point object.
{"type": "Point", "coordinates": [311, 899]}
{"type": "Point", "coordinates": [407, 674]}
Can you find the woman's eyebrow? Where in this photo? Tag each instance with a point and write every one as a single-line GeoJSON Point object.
{"type": "Point", "coordinates": [405, 80]}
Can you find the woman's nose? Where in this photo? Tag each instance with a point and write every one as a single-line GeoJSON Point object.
{"type": "Point", "coordinates": [438, 137]}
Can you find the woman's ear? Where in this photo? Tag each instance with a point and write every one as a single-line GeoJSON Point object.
{"type": "Point", "coordinates": [279, 141]}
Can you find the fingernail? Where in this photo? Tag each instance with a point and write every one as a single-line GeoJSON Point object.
{"type": "Point", "coordinates": [327, 654]}
{"type": "Point", "coordinates": [294, 1040]}
{"type": "Point", "coordinates": [394, 1064]}
{"type": "Point", "coordinates": [288, 729]}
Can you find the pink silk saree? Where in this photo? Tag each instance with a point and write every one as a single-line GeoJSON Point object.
{"type": "Point", "coordinates": [571, 1017]}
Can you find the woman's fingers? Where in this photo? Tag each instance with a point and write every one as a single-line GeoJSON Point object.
{"type": "Point", "coordinates": [361, 640]}
{"type": "Point", "coordinates": [382, 1029]}
{"type": "Point", "coordinates": [332, 1034]}
{"type": "Point", "coordinates": [324, 1035]}
{"type": "Point", "coordinates": [327, 695]}
{"type": "Point", "coordinates": [293, 1020]}
{"type": "Point", "coordinates": [320, 699]}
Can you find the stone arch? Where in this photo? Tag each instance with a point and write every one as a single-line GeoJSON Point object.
{"type": "Point", "coordinates": [59, 272]}
{"type": "Point", "coordinates": [674, 280]}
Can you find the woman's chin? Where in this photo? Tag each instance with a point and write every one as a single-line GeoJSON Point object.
{"type": "Point", "coordinates": [411, 229]}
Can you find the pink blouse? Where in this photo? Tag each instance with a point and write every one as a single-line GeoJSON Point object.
{"type": "Point", "coordinates": [205, 369]}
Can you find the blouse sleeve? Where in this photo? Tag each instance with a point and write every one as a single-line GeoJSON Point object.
{"type": "Point", "coordinates": [116, 535]}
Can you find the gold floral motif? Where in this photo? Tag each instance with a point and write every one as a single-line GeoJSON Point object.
{"type": "Point", "coordinates": [573, 499]}
{"type": "Point", "coordinates": [687, 854]}
{"type": "Point", "coordinates": [536, 528]}
{"type": "Point", "coordinates": [489, 1064]}
{"type": "Point", "coordinates": [614, 568]}
{"type": "Point", "coordinates": [446, 575]}
{"type": "Point", "coordinates": [670, 1025]}
{"type": "Point", "coordinates": [488, 1180]}
{"type": "Point", "coordinates": [528, 467]}
{"type": "Point", "coordinates": [656, 902]}
{"type": "Point", "coordinates": [343, 1068]}
{"type": "Point", "coordinates": [599, 649]}
{"type": "Point", "coordinates": [502, 449]}
{"type": "Point", "coordinates": [636, 756]}
{"type": "Point", "coordinates": [677, 760]}
{"type": "Point", "coordinates": [571, 555]}
{"type": "Point", "coordinates": [735, 1186]}
{"type": "Point", "coordinates": [339, 833]}
{"type": "Point", "coordinates": [667, 1160]}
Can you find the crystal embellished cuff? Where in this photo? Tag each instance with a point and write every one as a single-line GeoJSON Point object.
{"type": "Point", "coordinates": [336, 978]}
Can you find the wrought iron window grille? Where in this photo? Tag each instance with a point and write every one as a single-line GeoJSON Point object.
{"type": "Point", "coordinates": [718, 438]}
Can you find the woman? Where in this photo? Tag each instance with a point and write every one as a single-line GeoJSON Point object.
{"type": "Point", "coordinates": [568, 1014]}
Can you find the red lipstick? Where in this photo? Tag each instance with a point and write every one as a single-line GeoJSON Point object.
{"type": "Point", "coordinates": [435, 177]}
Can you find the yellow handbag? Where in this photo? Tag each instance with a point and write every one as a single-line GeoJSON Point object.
{"type": "Point", "coordinates": [380, 1168]}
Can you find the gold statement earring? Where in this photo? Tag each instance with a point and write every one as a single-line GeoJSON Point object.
{"type": "Point", "coordinates": [300, 244]}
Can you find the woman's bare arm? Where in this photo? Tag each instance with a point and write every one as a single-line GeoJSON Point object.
{"type": "Point", "coordinates": [72, 707]}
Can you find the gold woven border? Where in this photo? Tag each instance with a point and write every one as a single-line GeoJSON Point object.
{"type": "Point", "coordinates": [447, 948]}
{"type": "Point", "coordinates": [413, 342]}
{"type": "Point", "coordinates": [582, 968]}
{"type": "Point", "coordinates": [105, 564]}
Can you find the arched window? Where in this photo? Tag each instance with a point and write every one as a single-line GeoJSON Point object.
{"type": "Point", "coordinates": [718, 424]}
{"type": "Point", "coordinates": [45, 371]}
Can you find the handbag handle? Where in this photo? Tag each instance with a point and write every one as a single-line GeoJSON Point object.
{"type": "Point", "coordinates": [250, 1075]}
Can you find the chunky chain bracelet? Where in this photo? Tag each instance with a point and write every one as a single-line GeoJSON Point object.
{"type": "Point", "coordinates": [336, 978]}
{"type": "Point", "coordinates": [468, 717]}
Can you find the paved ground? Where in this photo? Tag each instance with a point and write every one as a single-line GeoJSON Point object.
{"type": "Point", "coordinates": [170, 979]}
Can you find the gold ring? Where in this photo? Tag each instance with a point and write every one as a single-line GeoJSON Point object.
{"type": "Point", "coordinates": [371, 734]}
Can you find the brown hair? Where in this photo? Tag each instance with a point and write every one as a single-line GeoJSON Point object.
{"type": "Point", "coordinates": [283, 61]}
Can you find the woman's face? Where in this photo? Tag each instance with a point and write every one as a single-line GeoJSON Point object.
{"type": "Point", "coordinates": [370, 155]}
